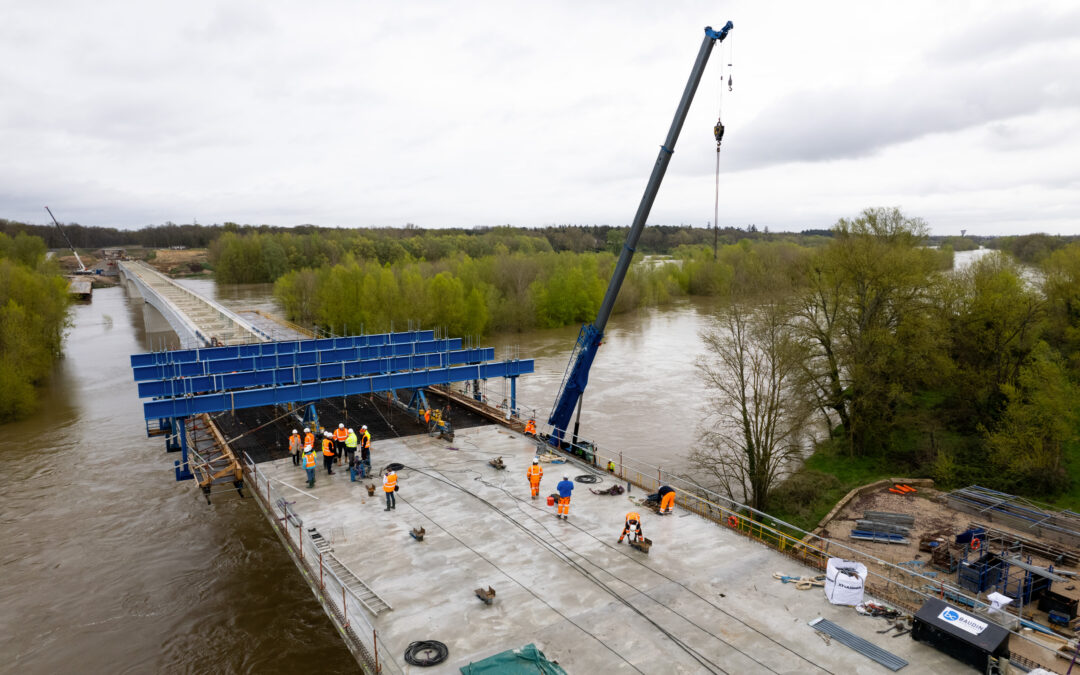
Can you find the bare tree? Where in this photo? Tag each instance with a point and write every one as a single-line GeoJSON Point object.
{"type": "Point", "coordinates": [759, 415]}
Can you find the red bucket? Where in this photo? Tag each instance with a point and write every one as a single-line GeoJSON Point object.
{"type": "Point", "coordinates": [551, 501]}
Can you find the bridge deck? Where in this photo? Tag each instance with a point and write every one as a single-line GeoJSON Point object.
{"type": "Point", "coordinates": [196, 319]}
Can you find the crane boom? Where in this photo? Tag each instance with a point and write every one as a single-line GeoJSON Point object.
{"type": "Point", "coordinates": [82, 267]}
{"type": "Point", "coordinates": [577, 374]}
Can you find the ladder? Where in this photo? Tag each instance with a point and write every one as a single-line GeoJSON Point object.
{"type": "Point", "coordinates": [371, 600]}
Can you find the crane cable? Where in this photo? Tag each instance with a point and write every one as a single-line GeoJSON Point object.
{"type": "Point", "coordinates": [718, 133]}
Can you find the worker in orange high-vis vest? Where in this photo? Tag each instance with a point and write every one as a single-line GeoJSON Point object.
{"type": "Point", "coordinates": [667, 499]}
{"type": "Point", "coordinates": [309, 464]}
{"type": "Point", "coordinates": [534, 473]}
{"type": "Point", "coordinates": [530, 428]}
{"type": "Point", "coordinates": [340, 434]}
{"type": "Point", "coordinates": [389, 486]}
{"type": "Point", "coordinates": [309, 438]}
{"type": "Point", "coordinates": [295, 445]}
{"type": "Point", "coordinates": [633, 526]}
{"type": "Point", "coordinates": [328, 452]}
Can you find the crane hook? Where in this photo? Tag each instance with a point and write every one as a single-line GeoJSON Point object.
{"type": "Point", "coordinates": [718, 132]}
{"type": "Point", "coordinates": [729, 83]}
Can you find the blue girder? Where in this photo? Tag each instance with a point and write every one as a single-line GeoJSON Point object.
{"type": "Point", "coordinates": [274, 348]}
{"type": "Point", "coordinates": [186, 386]}
{"type": "Point", "coordinates": [314, 391]}
{"type": "Point", "coordinates": [289, 360]}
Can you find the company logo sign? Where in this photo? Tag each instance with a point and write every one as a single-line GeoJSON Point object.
{"type": "Point", "coordinates": [962, 621]}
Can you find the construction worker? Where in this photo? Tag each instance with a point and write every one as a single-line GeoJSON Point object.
{"type": "Point", "coordinates": [427, 417]}
{"type": "Point", "coordinates": [389, 486]}
{"type": "Point", "coordinates": [565, 487]}
{"type": "Point", "coordinates": [328, 452]}
{"type": "Point", "coordinates": [309, 438]}
{"type": "Point", "coordinates": [365, 451]}
{"type": "Point", "coordinates": [530, 427]}
{"type": "Point", "coordinates": [667, 499]}
{"type": "Point", "coordinates": [350, 446]}
{"type": "Point", "coordinates": [611, 466]}
{"type": "Point", "coordinates": [295, 445]}
{"type": "Point", "coordinates": [633, 526]}
{"type": "Point", "coordinates": [340, 434]}
{"type": "Point", "coordinates": [534, 473]}
{"type": "Point", "coordinates": [309, 464]}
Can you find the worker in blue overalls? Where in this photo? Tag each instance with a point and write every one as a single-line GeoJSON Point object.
{"type": "Point", "coordinates": [565, 487]}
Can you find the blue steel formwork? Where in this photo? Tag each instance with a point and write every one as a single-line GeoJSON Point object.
{"type": "Point", "coordinates": [283, 347]}
{"type": "Point", "coordinates": [190, 382]}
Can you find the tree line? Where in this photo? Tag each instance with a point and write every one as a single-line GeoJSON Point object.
{"type": "Point", "coordinates": [965, 376]}
{"type": "Point", "coordinates": [517, 291]}
{"type": "Point", "coordinates": [33, 317]}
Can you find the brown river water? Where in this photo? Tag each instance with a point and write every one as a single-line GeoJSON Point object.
{"type": "Point", "coordinates": [110, 566]}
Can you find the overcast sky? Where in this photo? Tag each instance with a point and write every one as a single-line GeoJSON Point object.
{"type": "Point", "coordinates": [358, 113]}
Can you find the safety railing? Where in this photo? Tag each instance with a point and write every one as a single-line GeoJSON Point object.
{"type": "Point", "coordinates": [339, 599]}
{"type": "Point", "coordinates": [906, 588]}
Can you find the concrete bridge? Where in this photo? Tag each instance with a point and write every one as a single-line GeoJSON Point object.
{"type": "Point", "coordinates": [197, 320]}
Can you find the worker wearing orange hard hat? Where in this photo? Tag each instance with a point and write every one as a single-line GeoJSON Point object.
{"type": "Point", "coordinates": [633, 526]}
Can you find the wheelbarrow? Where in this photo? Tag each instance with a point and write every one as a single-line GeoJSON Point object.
{"type": "Point", "coordinates": [487, 596]}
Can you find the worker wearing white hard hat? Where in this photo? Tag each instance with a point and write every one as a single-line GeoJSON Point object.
{"type": "Point", "coordinates": [295, 444]}
{"type": "Point", "coordinates": [534, 473]}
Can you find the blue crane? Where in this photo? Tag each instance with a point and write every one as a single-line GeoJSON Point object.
{"type": "Point", "coordinates": [590, 336]}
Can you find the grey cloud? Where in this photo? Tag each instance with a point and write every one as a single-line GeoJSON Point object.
{"type": "Point", "coordinates": [1000, 35]}
{"type": "Point", "coordinates": [848, 123]}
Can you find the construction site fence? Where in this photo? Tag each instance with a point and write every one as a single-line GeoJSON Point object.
{"type": "Point", "coordinates": [349, 613]}
{"type": "Point", "coordinates": [906, 587]}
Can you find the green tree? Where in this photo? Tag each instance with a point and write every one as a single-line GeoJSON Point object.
{"type": "Point", "coordinates": [1027, 444]}
{"type": "Point", "coordinates": [33, 318]}
{"type": "Point", "coordinates": [864, 317]}
{"type": "Point", "coordinates": [758, 420]}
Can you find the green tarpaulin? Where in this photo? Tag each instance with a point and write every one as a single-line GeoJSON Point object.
{"type": "Point", "coordinates": [525, 661]}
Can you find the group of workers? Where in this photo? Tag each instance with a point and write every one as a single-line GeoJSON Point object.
{"type": "Point", "coordinates": [341, 443]}
{"type": "Point", "coordinates": [664, 498]}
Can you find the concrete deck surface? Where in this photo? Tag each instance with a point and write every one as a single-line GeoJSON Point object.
{"type": "Point", "coordinates": [562, 584]}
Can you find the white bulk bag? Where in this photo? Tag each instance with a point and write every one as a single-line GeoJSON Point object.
{"type": "Point", "coordinates": [844, 581]}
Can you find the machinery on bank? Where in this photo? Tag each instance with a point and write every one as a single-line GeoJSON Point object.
{"type": "Point", "coordinates": [82, 268]}
{"type": "Point", "coordinates": [589, 338]}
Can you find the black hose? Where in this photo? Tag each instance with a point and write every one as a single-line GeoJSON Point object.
{"type": "Point", "coordinates": [588, 478]}
{"type": "Point", "coordinates": [426, 653]}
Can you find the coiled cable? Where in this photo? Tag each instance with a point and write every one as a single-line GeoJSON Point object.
{"type": "Point", "coordinates": [426, 653]}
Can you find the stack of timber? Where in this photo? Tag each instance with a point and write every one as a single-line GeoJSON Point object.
{"type": "Point", "coordinates": [883, 526]}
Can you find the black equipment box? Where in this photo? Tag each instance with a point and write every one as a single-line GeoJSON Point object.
{"type": "Point", "coordinates": [960, 634]}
